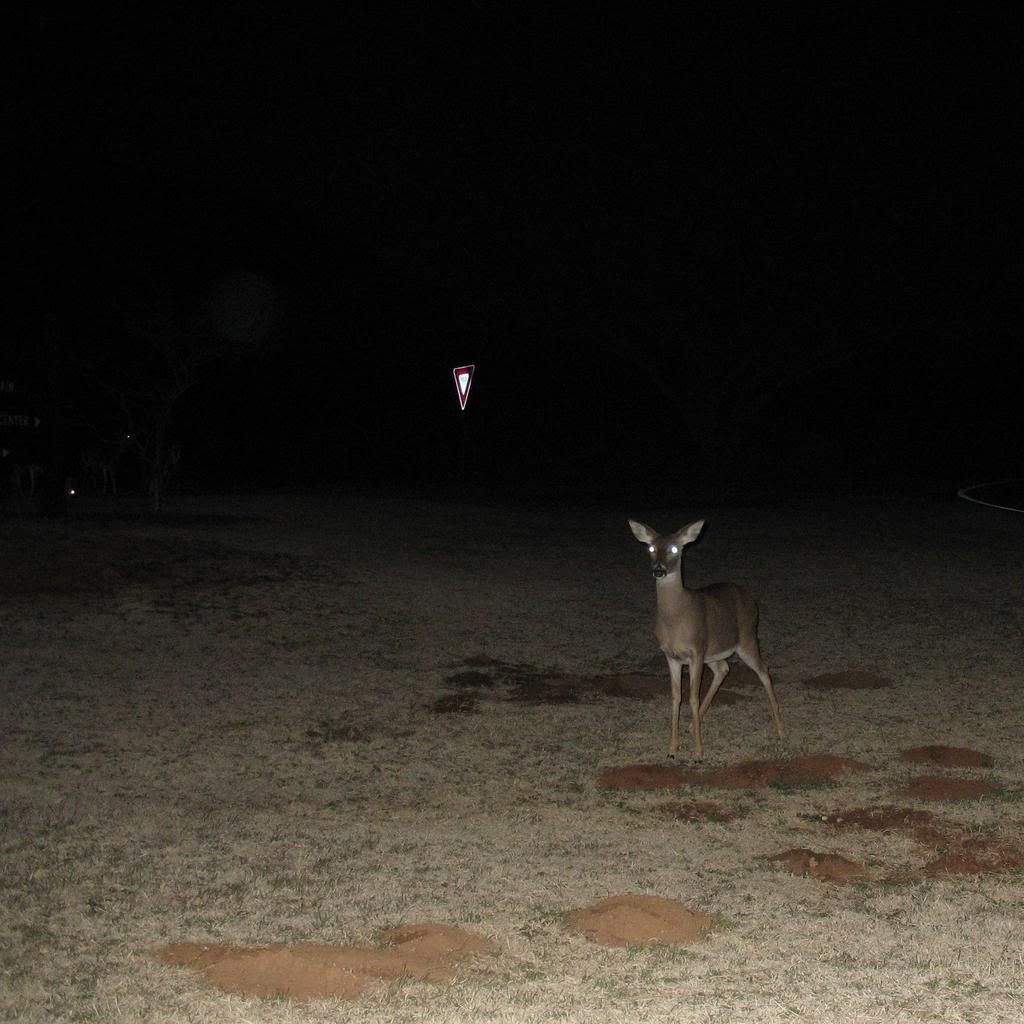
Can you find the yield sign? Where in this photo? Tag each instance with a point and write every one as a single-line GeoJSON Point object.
{"type": "Point", "coordinates": [463, 380]}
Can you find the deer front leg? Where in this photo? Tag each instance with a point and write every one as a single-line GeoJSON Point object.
{"type": "Point", "coordinates": [719, 670]}
{"type": "Point", "coordinates": [675, 671]}
{"type": "Point", "coordinates": [696, 668]}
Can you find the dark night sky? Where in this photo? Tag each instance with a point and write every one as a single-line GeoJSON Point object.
{"type": "Point", "coordinates": [629, 226]}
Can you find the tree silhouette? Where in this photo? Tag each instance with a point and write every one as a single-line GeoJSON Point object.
{"type": "Point", "coordinates": [163, 346]}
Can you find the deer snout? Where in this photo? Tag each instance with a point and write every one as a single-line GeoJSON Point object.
{"type": "Point", "coordinates": [659, 571]}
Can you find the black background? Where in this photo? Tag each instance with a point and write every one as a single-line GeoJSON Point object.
{"type": "Point", "coordinates": [622, 221]}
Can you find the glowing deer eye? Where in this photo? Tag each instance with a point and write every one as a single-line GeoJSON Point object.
{"type": "Point", "coordinates": [673, 549]}
{"type": "Point", "coordinates": [651, 549]}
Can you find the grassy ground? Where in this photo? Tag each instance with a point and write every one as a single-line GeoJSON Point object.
{"type": "Point", "coordinates": [228, 731]}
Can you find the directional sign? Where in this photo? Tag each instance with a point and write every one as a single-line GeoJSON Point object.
{"type": "Point", "coordinates": [463, 381]}
{"type": "Point", "coordinates": [19, 419]}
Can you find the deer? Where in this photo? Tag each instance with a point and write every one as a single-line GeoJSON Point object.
{"type": "Point", "coordinates": [700, 627]}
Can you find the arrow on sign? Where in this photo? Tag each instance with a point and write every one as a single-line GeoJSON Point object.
{"type": "Point", "coordinates": [463, 380]}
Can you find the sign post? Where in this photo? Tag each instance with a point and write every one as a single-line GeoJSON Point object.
{"type": "Point", "coordinates": [463, 382]}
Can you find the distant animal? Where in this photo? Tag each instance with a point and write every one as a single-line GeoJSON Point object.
{"type": "Point", "coordinates": [700, 627]}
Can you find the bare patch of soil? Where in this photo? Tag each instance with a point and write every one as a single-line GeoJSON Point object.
{"type": "Point", "coordinates": [428, 952]}
{"type": "Point", "coordinates": [471, 678]}
{"type": "Point", "coordinates": [924, 826]}
{"type": "Point", "coordinates": [948, 757]}
{"type": "Point", "coordinates": [809, 770]}
{"type": "Point", "coordinates": [849, 680]}
{"type": "Point", "coordinates": [959, 852]}
{"type": "Point", "coordinates": [886, 818]}
{"type": "Point", "coordinates": [639, 921]}
{"type": "Point", "coordinates": [527, 684]}
{"type": "Point", "coordinates": [486, 661]}
{"type": "Point", "coordinates": [939, 787]}
{"type": "Point", "coordinates": [633, 685]}
{"type": "Point", "coordinates": [520, 682]}
{"type": "Point", "coordinates": [455, 704]}
{"type": "Point", "coordinates": [693, 811]}
{"type": "Point", "coordinates": [543, 689]}
{"type": "Point", "coordinates": [977, 855]}
{"type": "Point", "coordinates": [828, 867]}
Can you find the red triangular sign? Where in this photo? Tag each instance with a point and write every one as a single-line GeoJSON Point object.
{"type": "Point", "coordinates": [463, 380]}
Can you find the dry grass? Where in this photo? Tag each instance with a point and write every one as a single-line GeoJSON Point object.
{"type": "Point", "coordinates": [227, 733]}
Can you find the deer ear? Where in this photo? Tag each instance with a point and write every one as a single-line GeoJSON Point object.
{"type": "Point", "coordinates": [688, 534]}
{"type": "Point", "coordinates": [643, 533]}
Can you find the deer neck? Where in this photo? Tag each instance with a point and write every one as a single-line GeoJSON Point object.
{"type": "Point", "coordinates": [673, 597]}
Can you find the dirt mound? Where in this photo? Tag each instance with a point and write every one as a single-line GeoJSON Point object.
{"type": "Point", "coordinates": [977, 855]}
{"type": "Point", "coordinates": [851, 680]}
{"type": "Point", "coordinates": [880, 819]}
{"type": "Point", "coordinates": [939, 787]}
{"type": "Point", "coordinates": [809, 770]}
{"type": "Point", "coordinates": [949, 757]}
{"type": "Point", "coordinates": [694, 811]}
{"type": "Point", "coordinates": [429, 952]}
{"type": "Point", "coordinates": [639, 921]}
{"type": "Point", "coordinates": [828, 867]}
{"type": "Point", "coordinates": [960, 852]}
{"type": "Point", "coordinates": [924, 826]}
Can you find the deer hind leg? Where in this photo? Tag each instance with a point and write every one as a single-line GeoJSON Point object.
{"type": "Point", "coordinates": [750, 655]}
